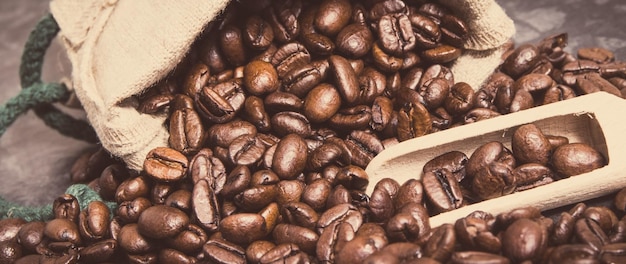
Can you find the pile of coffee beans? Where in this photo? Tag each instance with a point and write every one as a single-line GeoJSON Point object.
{"type": "Point", "coordinates": [452, 180]}
{"type": "Point", "coordinates": [273, 117]}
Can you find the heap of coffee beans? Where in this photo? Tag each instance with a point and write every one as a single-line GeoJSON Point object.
{"type": "Point", "coordinates": [452, 180]}
{"type": "Point", "coordinates": [274, 115]}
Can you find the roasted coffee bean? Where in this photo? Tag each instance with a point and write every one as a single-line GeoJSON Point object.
{"type": "Point", "coordinates": [222, 251]}
{"type": "Point", "coordinates": [246, 150]}
{"type": "Point", "coordinates": [531, 175]}
{"type": "Point", "coordinates": [332, 16]}
{"type": "Point", "coordinates": [371, 85]}
{"type": "Point", "coordinates": [478, 114]}
{"type": "Point", "coordinates": [453, 30]}
{"type": "Point", "coordinates": [205, 205]}
{"type": "Point", "coordinates": [576, 158]}
{"type": "Point", "coordinates": [353, 118]}
{"type": "Point", "coordinates": [66, 206]}
{"type": "Point", "coordinates": [413, 121]}
{"type": "Point", "coordinates": [460, 99]}
{"type": "Point", "coordinates": [558, 93]}
{"type": "Point", "coordinates": [220, 102]}
{"type": "Point", "coordinates": [110, 178]}
{"type": "Point", "coordinates": [412, 191]}
{"type": "Point", "coordinates": [29, 236]}
{"type": "Point", "coordinates": [232, 45]}
{"type": "Point", "coordinates": [385, 62]}
{"type": "Point", "coordinates": [381, 203]}
{"type": "Point", "coordinates": [62, 230]}
{"type": "Point", "coordinates": [260, 78]}
{"type": "Point", "coordinates": [529, 145]}
{"type": "Point", "coordinates": [301, 79]}
{"type": "Point", "coordinates": [410, 223]}
{"type": "Point", "coordinates": [237, 181]}
{"type": "Point", "coordinates": [99, 251]}
{"type": "Point", "coordinates": [521, 60]}
{"type": "Point", "coordinates": [355, 40]}
{"type": "Point", "coordinates": [285, 123]}
{"type": "Point", "coordinates": [441, 243]}
{"type": "Point", "coordinates": [524, 240]}
{"type": "Point", "coordinates": [426, 30]}
{"type": "Point", "coordinates": [381, 8]}
{"type": "Point", "coordinates": [223, 134]}
{"type": "Point", "coordinates": [441, 54]}
{"type": "Point", "coordinates": [283, 102]}
{"type": "Point", "coordinates": [303, 237]}
{"type": "Point", "coordinates": [493, 180]}
{"type": "Point", "coordinates": [190, 240]}
{"type": "Point", "coordinates": [258, 34]}
{"type": "Point", "coordinates": [363, 146]}
{"type": "Point", "coordinates": [359, 248]}
{"type": "Point", "coordinates": [572, 70]}
{"type": "Point", "coordinates": [204, 165]}
{"type": "Point", "coordinates": [289, 191]}
{"type": "Point", "coordinates": [256, 197]}
{"type": "Point", "coordinates": [486, 154]}
{"type": "Point", "coordinates": [289, 158]}
{"type": "Point", "coordinates": [299, 213]}
{"type": "Point", "coordinates": [318, 44]}
{"type": "Point", "coordinates": [453, 161]}
{"type": "Point", "coordinates": [442, 190]}
{"type": "Point", "coordinates": [257, 249]}
{"type": "Point", "coordinates": [243, 228]}
{"type": "Point", "coordinates": [321, 103]}
{"type": "Point", "coordinates": [590, 233]}
{"type": "Point", "coordinates": [162, 221]}
{"type": "Point", "coordinates": [396, 33]}
{"type": "Point", "coordinates": [165, 164]}
{"type": "Point", "coordinates": [316, 194]}
{"type": "Point", "coordinates": [599, 55]}
{"type": "Point", "coordinates": [381, 113]}
{"type": "Point", "coordinates": [129, 211]}
{"type": "Point", "coordinates": [187, 133]}
{"type": "Point", "coordinates": [326, 154]}
{"type": "Point", "coordinates": [93, 221]}
{"type": "Point", "coordinates": [290, 56]}
{"type": "Point", "coordinates": [345, 77]}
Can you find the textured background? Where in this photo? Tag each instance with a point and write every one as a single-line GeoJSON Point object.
{"type": "Point", "coordinates": [35, 160]}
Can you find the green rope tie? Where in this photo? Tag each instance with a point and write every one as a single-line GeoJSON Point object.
{"type": "Point", "coordinates": [39, 97]}
{"type": "Point", "coordinates": [30, 74]}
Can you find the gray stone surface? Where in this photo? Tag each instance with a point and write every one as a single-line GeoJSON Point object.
{"type": "Point", "coordinates": [35, 160]}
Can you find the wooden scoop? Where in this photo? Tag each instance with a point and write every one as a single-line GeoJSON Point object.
{"type": "Point", "coordinates": [597, 119]}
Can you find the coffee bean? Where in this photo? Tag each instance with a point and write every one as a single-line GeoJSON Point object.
{"type": "Point", "coordinates": [260, 78]}
{"type": "Point", "coordinates": [162, 221]}
{"type": "Point", "coordinates": [332, 16]}
{"type": "Point", "coordinates": [165, 164]}
{"type": "Point", "coordinates": [576, 158]}
{"type": "Point", "coordinates": [258, 34]}
{"type": "Point", "coordinates": [321, 103]}
{"type": "Point", "coordinates": [442, 190]}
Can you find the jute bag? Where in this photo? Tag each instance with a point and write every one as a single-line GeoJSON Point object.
{"type": "Point", "coordinates": [120, 48]}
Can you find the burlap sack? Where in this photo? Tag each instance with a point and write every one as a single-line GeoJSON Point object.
{"type": "Point", "coordinates": [119, 48]}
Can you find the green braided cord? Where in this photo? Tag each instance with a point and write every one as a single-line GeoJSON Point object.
{"type": "Point", "coordinates": [27, 98]}
{"type": "Point", "coordinates": [82, 192]}
{"type": "Point", "coordinates": [30, 73]}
